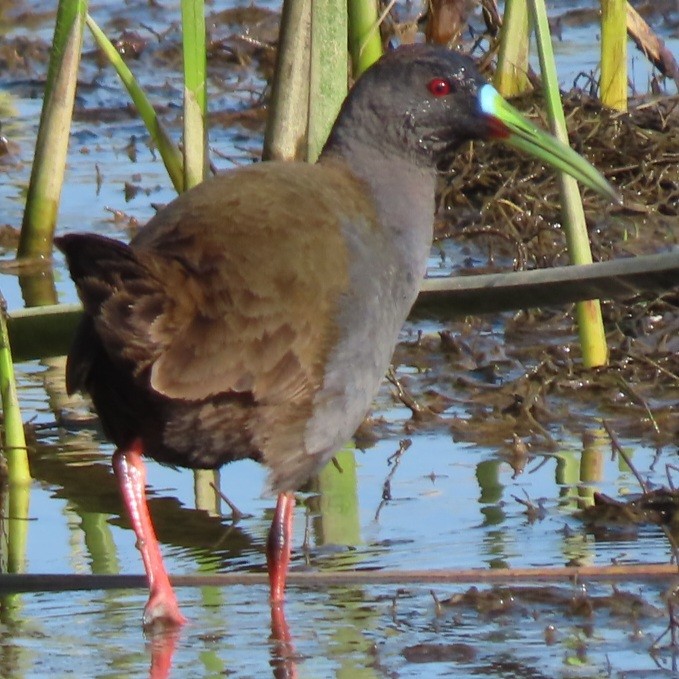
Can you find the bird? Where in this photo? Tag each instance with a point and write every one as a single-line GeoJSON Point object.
{"type": "Point", "coordinates": [255, 315]}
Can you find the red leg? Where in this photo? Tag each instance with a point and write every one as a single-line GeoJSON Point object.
{"type": "Point", "coordinates": [278, 546]}
{"type": "Point", "coordinates": [131, 474]}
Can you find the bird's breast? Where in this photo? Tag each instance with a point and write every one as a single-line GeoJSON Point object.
{"type": "Point", "coordinates": [384, 280]}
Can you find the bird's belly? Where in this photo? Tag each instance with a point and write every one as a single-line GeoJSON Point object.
{"type": "Point", "coordinates": [206, 434]}
{"type": "Point", "coordinates": [352, 380]}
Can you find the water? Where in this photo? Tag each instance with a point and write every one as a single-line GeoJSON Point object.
{"type": "Point", "coordinates": [453, 506]}
{"type": "Point", "coordinates": [343, 632]}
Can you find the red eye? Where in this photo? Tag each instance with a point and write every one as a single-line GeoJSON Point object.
{"type": "Point", "coordinates": [439, 87]}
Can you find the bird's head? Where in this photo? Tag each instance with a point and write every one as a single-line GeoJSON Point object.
{"type": "Point", "coordinates": [421, 102]}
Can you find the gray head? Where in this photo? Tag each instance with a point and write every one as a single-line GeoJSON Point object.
{"type": "Point", "coordinates": [419, 102]}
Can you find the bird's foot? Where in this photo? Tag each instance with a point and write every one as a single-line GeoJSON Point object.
{"type": "Point", "coordinates": [162, 611]}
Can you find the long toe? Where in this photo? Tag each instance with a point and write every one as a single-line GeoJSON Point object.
{"type": "Point", "coordinates": [162, 610]}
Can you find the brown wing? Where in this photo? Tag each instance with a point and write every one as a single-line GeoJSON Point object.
{"type": "Point", "coordinates": [265, 262]}
{"type": "Point", "coordinates": [232, 286]}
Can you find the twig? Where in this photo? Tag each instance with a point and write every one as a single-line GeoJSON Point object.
{"type": "Point", "coordinates": [619, 449]}
{"type": "Point", "coordinates": [418, 411]}
{"type": "Point", "coordinates": [673, 544]}
{"type": "Point", "coordinates": [645, 359]}
{"type": "Point", "coordinates": [404, 444]}
{"type": "Point", "coordinates": [48, 582]}
{"type": "Point", "coordinates": [640, 400]}
{"type": "Point", "coordinates": [236, 514]}
{"type": "Point", "coordinates": [668, 468]}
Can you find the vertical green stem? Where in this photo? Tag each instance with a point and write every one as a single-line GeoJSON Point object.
{"type": "Point", "coordinates": [511, 76]}
{"type": "Point", "coordinates": [14, 442]}
{"type": "Point", "coordinates": [614, 53]}
{"type": "Point", "coordinates": [588, 314]}
{"type": "Point", "coordinates": [38, 288]}
{"type": "Point", "coordinates": [51, 146]}
{"type": "Point", "coordinates": [14, 446]}
{"type": "Point", "coordinates": [339, 513]}
{"type": "Point", "coordinates": [195, 151]}
{"type": "Point", "coordinates": [286, 125]}
{"type": "Point", "coordinates": [17, 529]}
{"type": "Point", "coordinates": [195, 92]}
{"type": "Point", "coordinates": [328, 78]}
{"type": "Point", "coordinates": [205, 483]}
{"type": "Point", "coordinates": [365, 44]}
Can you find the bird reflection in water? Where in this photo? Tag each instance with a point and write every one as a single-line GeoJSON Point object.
{"type": "Point", "coordinates": [164, 639]}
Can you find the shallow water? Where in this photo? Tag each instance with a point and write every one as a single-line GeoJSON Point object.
{"type": "Point", "coordinates": [344, 632]}
{"type": "Point", "coordinates": [452, 503]}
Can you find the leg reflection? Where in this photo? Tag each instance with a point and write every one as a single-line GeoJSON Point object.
{"type": "Point", "coordinates": [283, 656]}
{"type": "Point", "coordinates": [163, 643]}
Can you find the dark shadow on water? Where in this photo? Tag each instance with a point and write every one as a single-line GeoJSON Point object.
{"type": "Point", "coordinates": [92, 488]}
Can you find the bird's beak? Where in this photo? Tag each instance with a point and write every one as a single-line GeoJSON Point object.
{"type": "Point", "coordinates": [508, 124]}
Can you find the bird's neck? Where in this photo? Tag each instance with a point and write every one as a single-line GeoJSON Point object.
{"type": "Point", "coordinates": [403, 193]}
